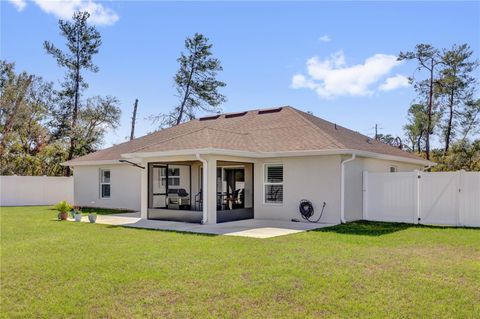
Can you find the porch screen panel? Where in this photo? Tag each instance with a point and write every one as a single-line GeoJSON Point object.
{"type": "Point", "coordinates": [159, 187]}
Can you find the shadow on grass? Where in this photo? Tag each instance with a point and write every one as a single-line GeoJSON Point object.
{"type": "Point", "coordinates": [181, 232]}
{"type": "Point", "coordinates": [368, 228]}
{"type": "Point", "coordinates": [102, 211]}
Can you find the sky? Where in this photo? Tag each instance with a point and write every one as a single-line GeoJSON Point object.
{"type": "Point", "coordinates": [337, 60]}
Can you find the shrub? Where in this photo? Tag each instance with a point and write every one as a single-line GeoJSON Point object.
{"type": "Point", "coordinates": [63, 206]}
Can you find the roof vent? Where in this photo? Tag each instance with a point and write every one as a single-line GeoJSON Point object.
{"type": "Point", "coordinates": [206, 118]}
{"type": "Point", "coordinates": [267, 111]}
{"type": "Point", "coordinates": [229, 116]}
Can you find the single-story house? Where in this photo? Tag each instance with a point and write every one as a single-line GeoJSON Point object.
{"type": "Point", "coordinates": [254, 164]}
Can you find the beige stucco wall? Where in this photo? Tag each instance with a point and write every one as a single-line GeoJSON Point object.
{"type": "Point", "coordinates": [354, 181]}
{"type": "Point", "coordinates": [125, 186]}
{"type": "Point", "coordinates": [316, 178]}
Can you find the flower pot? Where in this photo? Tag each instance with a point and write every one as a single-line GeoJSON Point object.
{"type": "Point", "coordinates": [92, 218]}
{"type": "Point", "coordinates": [78, 217]}
{"type": "Point", "coordinates": [63, 215]}
{"type": "Point", "coordinates": [72, 213]}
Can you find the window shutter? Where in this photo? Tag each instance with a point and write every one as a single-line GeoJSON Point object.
{"type": "Point", "coordinates": [274, 174]}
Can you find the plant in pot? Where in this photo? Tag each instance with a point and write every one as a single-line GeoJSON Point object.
{"type": "Point", "coordinates": [92, 217]}
{"type": "Point", "coordinates": [63, 208]}
{"type": "Point", "coordinates": [77, 213]}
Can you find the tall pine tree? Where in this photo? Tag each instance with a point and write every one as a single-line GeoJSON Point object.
{"type": "Point", "coordinates": [196, 82]}
{"type": "Point", "coordinates": [82, 42]}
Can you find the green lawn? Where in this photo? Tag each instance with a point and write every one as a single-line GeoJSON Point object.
{"type": "Point", "coordinates": [52, 269]}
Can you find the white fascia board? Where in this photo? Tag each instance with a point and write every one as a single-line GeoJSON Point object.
{"type": "Point", "coordinates": [102, 162]}
{"type": "Point", "coordinates": [212, 151]}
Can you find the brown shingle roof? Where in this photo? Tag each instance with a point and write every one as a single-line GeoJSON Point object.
{"type": "Point", "coordinates": [282, 130]}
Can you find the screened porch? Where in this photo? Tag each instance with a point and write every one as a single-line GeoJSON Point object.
{"type": "Point", "coordinates": [175, 191]}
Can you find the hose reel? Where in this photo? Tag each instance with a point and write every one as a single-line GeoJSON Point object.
{"type": "Point", "coordinates": [307, 211]}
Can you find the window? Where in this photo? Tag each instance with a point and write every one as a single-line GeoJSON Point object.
{"type": "Point", "coordinates": [105, 183]}
{"type": "Point", "coordinates": [273, 184]}
{"type": "Point", "coordinates": [393, 169]}
{"type": "Point", "coordinates": [174, 177]}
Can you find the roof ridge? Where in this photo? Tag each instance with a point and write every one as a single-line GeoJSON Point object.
{"type": "Point", "coordinates": [315, 127]}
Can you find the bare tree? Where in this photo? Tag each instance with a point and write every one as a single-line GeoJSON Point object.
{"type": "Point", "coordinates": [134, 119]}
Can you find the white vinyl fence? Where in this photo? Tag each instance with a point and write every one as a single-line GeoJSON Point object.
{"type": "Point", "coordinates": [35, 190]}
{"type": "Point", "coordinates": [443, 198]}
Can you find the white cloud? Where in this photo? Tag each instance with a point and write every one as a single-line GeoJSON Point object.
{"type": "Point", "coordinates": [394, 82]}
{"type": "Point", "coordinates": [332, 77]}
{"type": "Point", "coordinates": [64, 9]}
{"type": "Point", "coordinates": [19, 4]}
{"type": "Point", "coordinates": [325, 38]}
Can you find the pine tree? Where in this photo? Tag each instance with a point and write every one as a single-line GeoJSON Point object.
{"type": "Point", "coordinates": [195, 81]}
{"type": "Point", "coordinates": [82, 42]}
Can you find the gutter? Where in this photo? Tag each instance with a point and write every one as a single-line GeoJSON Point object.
{"type": "Point", "coordinates": [229, 152]}
{"type": "Point", "coordinates": [342, 187]}
{"type": "Point", "coordinates": [204, 189]}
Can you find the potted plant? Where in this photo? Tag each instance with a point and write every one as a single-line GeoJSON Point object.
{"type": "Point", "coordinates": [92, 217]}
{"type": "Point", "coordinates": [77, 213]}
{"type": "Point", "coordinates": [63, 208]}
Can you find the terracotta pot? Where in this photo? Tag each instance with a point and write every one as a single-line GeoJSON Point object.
{"type": "Point", "coordinates": [63, 216]}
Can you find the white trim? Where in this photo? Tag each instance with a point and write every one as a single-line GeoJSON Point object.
{"type": "Point", "coordinates": [102, 162]}
{"type": "Point", "coordinates": [204, 188]}
{"type": "Point", "coordinates": [264, 183]}
{"type": "Point", "coordinates": [102, 170]}
{"type": "Point", "coordinates": [215, 151]}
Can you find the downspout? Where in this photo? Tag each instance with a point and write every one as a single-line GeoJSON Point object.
{"type": "Point", "coordinates": [342, 191]}
{"type": "Point", "coordinates": [204, 188]}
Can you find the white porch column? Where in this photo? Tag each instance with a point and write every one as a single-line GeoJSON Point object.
{"type": "Point", "coordinates": [210, 191]}
{"type": "Point", "coordinates": [144, 190]}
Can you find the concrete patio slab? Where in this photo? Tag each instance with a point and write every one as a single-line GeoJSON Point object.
{"type": "Point", "coordinates": [254, 228]}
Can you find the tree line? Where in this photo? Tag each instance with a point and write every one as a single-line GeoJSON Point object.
{"type": "Point", "coordinates": [42, 126]}
{"type": "Point", "coordinates": [445, 106]}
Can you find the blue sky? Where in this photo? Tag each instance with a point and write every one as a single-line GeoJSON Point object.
{"type": "Point", "coordinates": [334, 59]}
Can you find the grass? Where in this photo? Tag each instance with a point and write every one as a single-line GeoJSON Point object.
{"type": "Point", "coordinates": [367, 270]}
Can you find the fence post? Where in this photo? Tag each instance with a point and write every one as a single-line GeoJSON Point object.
{"type": "Point", "coordinates": [364, 192]}
{"type": "Point", "coordinates": [418, 177]}
{"type": "Point", "coordinates": [459, 196]}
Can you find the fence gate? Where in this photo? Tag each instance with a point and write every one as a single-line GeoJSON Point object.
{"type": "Point", "coordinates": [443, 198]}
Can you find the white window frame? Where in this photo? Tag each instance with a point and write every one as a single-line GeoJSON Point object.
{"type": "Point", "coordinates": [104, 183]}
{"type": "Point", "coordinates": [265, 183]}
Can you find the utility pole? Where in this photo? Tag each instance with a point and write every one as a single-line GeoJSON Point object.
{"type": "Point", "coordinates": [376, 131]}
{"type": "Point", "coordinates": [134, 118]}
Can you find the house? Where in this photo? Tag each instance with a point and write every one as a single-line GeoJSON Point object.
{"type": "Point", "coordinates": [253, 164]}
